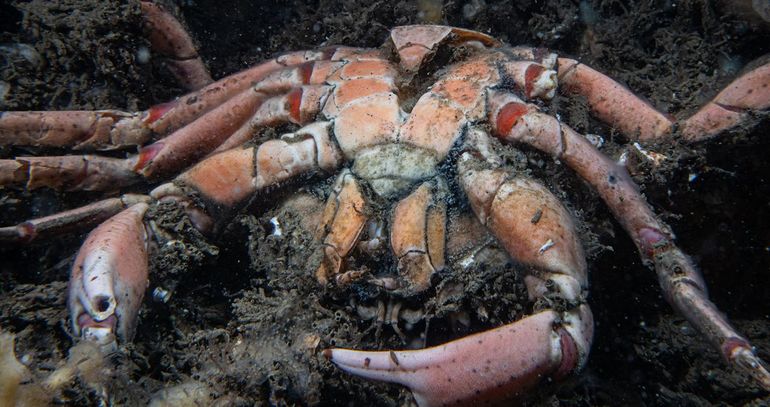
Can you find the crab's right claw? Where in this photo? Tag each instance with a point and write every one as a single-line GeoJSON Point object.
{"type": "Point", "coordinates": [490, 367]}
{"type": "Point", "coordinates": [109, 278]}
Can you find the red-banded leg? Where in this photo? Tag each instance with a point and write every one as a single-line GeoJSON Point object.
{"type": "Point", "coordinates": [110, 129]}
{"type": "Point", "coordinates": [304, 92]}
{"type": "Point", "coordinates": [682, 284]}
{"type": "Point", "coordinates": [162, 158]}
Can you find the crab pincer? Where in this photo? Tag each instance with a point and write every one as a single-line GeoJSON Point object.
{"type": "Point", "coordinates": [109, 278]}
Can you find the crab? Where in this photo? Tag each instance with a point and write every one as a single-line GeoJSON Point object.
{"type": "Point", "coordinates": [408, 126]}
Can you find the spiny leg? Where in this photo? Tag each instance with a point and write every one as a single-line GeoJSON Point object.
{"type": "Point", "coordinates": [681, 282]}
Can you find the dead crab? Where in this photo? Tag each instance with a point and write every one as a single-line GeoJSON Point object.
{"type": "Point", "coordinates": [370, 117]}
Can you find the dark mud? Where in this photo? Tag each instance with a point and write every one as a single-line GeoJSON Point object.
{"type": "Point", "coordinates": [246, 320]}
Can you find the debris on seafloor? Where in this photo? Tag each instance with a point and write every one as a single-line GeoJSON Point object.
{"type": "Point", "coordinates": [19, 387]}
{"type": "Point", "coordinates": [190, 393]}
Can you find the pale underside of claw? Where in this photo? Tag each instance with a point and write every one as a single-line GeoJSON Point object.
{"type": "Point", "coordinates": [109, 278]}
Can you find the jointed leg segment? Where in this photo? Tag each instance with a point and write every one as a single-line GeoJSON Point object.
{"type": "Point", "coordinates": [635, 118]}
{"type": "Point", "coordinates": [206, 127]}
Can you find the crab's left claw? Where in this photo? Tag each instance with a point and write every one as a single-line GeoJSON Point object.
{"type": "Point", "coordinates": [109, 277]}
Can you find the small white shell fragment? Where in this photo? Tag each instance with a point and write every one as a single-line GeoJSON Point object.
{"type": "Point", "coordinates": [623, 159]}
{"type": "Point", "coordinates": [160, 294]}
{"type": "Point", "coordinates": [467, 261]}
{"type": "Point", "coordinates": [277, 232]}
{"type": "Point", "coordinates": [547, 245]}
{"type": "Point", "coordinates": [656, 158]}
{"type": "Point", "coordinates": [143, 55]}
{"type": "Point", "coordinates": [595, 139]}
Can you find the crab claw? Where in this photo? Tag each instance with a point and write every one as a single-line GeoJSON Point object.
{"type": "Point", "coordinates": [109, 277]}
{"type": "Point", "coordinates": [489, 367]}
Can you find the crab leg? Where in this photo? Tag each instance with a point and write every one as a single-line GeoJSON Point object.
{"type": "Point", "coordinates": [417, 235]}
{"type": "Point", "coordinates": [173, 115]}
{"type": "Point", "coordinates": [80, 130]}
{"type": "Point", "coordinates": [228, 120]}
{"type": "Point", "coordinates": [110, 273]}
{"type": "Point", "coordinates": [169, 38]}
{"type": "Point", "coordinates": [612, 102]}
{"type": "Point", "coordinates": [226, 124]}
{"type": "Point", "coordinates": [299, 106]}
{"type": "Point", "coordinates": [228, 179]}
{"type": "Point", "coordinates": [198, 138]}
{"type": "Point", "coordinates": [68, 173]}
{"type": "Point", "coordinates": [111, 129]}
{"type": "Point", "coordinates": [60, 223]}
{"type": "Point", "coordinates": [340, 229]}
{"type": "Point", "coordinates": [638, 120]}
{"type": "Point", "coordinates": [109, 277]}
{"type": "Point", "coordinates": [681, 282]}
{"type": "Point", "coordinates": [732, 106]}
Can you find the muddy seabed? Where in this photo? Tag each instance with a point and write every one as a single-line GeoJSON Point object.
{"type": "Point", "coordinates": [246, 320]}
